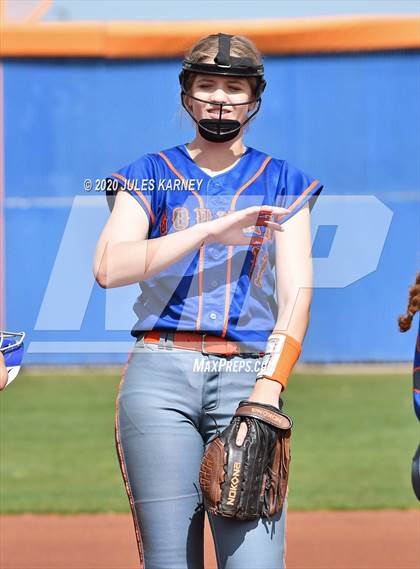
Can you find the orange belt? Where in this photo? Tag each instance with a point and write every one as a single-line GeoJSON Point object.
{"type": "Point", "coordinates": [201, 342]}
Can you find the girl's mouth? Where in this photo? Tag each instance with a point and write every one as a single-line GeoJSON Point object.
{"type": "Point", "coordinates": [215, 113]}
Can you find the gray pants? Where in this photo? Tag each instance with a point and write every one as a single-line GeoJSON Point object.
{"type": "Point", "coordinates": [167, 412]}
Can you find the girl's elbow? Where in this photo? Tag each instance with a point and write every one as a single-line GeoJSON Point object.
{"type": "Point", "coordinates": [101, 277]}
{"type": "Point", "coordinates": [101, 280]}
{"type": "Point", "coordinates": [105, 280]}
{"type": "Point", "coordinates": [102, 270]}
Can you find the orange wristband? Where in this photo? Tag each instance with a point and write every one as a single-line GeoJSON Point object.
{"type": "Point", "coordinates": [282, 352]}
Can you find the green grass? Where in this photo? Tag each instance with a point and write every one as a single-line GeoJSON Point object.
{"type": "Point", "coordinates": [353, 440]}
{"type": "Point", "coordinates": [57, 445]}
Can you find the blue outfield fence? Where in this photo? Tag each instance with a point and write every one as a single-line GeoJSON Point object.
{"type": "Point", "coordinates": [350, 120]}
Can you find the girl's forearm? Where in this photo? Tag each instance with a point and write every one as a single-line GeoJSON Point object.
{"type": "Point", "coordinates": [293, 320]}
{"type": "Point", "coordinates": [129, 262]}
{"type": "Point", "coordinates": [293, 316]}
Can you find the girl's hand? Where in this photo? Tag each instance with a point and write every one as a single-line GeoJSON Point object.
{"type": "Point", "coordinates": [265, 391]}
{"type": "Point", "coordinates": [229, 229]}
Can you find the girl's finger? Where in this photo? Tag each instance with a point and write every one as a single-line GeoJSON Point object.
{"type": "Point", "coordinates": [241, 434]}
{"type": "Point", "coordinates": [263, 222]}
{"type": "Point", "coordinates": [281, 215]}
{"type": "Point", "coordinates": [267, 211]}
{"type": "Point", "coordinates": [271, 216]}
{"type": "Point", "coordinates": [262, 219]}
{"type": "Point", "coordinates": [274, 208]}
{"type": "Point", "coordinates": [274, 226]}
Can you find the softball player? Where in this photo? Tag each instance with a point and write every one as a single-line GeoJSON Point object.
{"type": "Point", "coordinates": [215, 231]}
{"type": "Point", "coordinates": [11, 354]}
{"type": "Point", "coordinates": [404, 323]}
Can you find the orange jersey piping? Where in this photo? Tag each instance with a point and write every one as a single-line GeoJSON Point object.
{"type": "Point", "coordinates": [124, 471]}
{"type": "Point", "coordinates": [201, 257]}
{"type": "Point", "coordinates": [230, 248]}
{"type": "Point", "coordinates": [138, 192]}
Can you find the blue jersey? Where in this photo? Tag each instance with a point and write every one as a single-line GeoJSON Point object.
{"type": "Point", "coordinates": [228, 291]}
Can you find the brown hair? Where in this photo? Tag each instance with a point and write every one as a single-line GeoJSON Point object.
{"type": "Point", "coordinates": [404, 322]}
{"type": "Point", "coordinates": [207, 48]}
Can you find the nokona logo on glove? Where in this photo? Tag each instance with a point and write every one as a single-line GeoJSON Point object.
{"type": "Point", "coordinates": [233, 490]}
{"type": "Point", "coordinates": [268, 414]}
{"type": "Point", "coordinates": [275, 418]}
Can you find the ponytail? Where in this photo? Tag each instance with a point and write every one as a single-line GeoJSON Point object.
{"type": "Point", "coordinates": [404, 321]}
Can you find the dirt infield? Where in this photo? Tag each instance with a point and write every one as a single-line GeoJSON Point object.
{"type": "Point", "coordinates": [315, 540]}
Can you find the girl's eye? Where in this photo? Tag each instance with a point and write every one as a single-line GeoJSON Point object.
{"type": "Point", "coordinates": [209, 85]}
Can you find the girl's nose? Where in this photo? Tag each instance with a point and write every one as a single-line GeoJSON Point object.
{"type": "Point", "coordinates": [219, 96]}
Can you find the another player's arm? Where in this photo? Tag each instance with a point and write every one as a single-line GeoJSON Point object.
{"type": "Point", "coordinates": [125, 256]}
{"type": "Point", "coordinates": [3, 373]}
{"type": "Point", "coordinates": [294, 275]}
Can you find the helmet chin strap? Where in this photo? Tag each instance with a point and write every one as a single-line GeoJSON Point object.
{"type": "Point", "coordinates": [219, 129]}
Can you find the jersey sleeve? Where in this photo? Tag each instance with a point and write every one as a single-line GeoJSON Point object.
{"type": "Point", "coordinates": [295, 189]}
{"type": "Point", "coordinates": [138, 178]}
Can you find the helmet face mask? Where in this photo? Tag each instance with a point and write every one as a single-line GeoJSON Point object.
{"type": "Point", "coordinates": [11, 346]}
{"type": "Point", "coordinates": [220, 129]}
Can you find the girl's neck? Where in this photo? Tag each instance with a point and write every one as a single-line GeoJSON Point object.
{"type": "Point", "coordinates": [215, 156]}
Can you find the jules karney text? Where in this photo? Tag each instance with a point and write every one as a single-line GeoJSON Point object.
{"type": "Point", "coordinates": [164, 184]}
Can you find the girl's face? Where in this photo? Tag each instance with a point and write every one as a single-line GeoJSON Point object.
{"type": "Point", "coordinates": [218, 89]}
